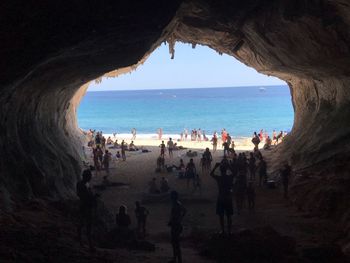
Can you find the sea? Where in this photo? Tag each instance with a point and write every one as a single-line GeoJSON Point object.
{"type": "Point", "coordinates": [240, 110]}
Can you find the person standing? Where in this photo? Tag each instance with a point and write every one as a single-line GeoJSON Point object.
{"type": "Point", "coordinates": [178, 211]}
{"type": "Point", "coordinates": [199, 135]}
{"type": "Point", "coordinates": [285, 174]}
{"type": "Point", "coordinates": [256, 141]}
{"type": "Point", "coordinates": [224, 204]}
{"type": "Point", "coordinates": [251, 195]}
{"type": "Point", "coordinates": [96, 161]}
{"type": "Point", "coordinates": [123, 149]}
{"type": "Point", "coordinates": [162, 149]}
{"type": "Point", "coordinates": [186, 133]}
{"type": "Point", "coordinates": [262, 171]}
{"type": "Point", "coordinates": [160, 133]}
{"type": "Point", "coordinates": [141, 214]}
{"type": "Point", "coordinates": [215, 142]}
{"type": "Point", "coordinates": [252, 166]}
{"type": "Point", "coordinates": [106, 159]}
{"type": "Point", "coordinates": [170, 145]}
{"type": "Point", "coordinates": [87, 204]}
{"type": "Point", "coordinates": [191, 172]}
{"type": "Point", "coordinates": [133, 132]}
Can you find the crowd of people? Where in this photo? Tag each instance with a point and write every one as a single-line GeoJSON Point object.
{"type": "Point", "coordinates": [236, 176]}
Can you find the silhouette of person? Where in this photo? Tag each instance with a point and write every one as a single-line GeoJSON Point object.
{"type": "Point", "coordinates": [122, 219]}
{"type": "Point", "coordinates": [251, 195]}
{"type": "Point", "coordinates": [178, 211]}
{"type": "Point", "coordinates": [86, 206]}
{"type": "Point", "coordinates": [224, 204]}
{"type": "Point", "coordinates": [170, 145]}
{"type": "Point", "coordinates": [252, 166]}
{"type": "Point", "coordinates": [262, 171]}
{"type": "Point", "coordinates": [191, 172]}
{"type": "Point", "coordinates": [123, 147]}
{"type": "Point", "coordinates": [141, 214]}
{"type": "Point", "coordinates": [162, 149]}
{"type": "Point", "coordinates": [285, 174]}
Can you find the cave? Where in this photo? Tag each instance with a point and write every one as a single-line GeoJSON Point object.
{"type": "Point", "coordinates": [51, 50]}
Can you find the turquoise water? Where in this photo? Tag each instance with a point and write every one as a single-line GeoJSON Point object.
{"type": "Point", "coordinates": [241, 110]}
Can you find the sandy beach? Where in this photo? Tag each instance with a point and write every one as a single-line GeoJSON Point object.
{"type": "Point", "coordinates": [139, 169]}
{"type": "Point", "coordinates": [241, 143]}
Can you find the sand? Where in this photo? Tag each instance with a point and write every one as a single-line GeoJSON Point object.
{"type": "Point", "coordinates": [139, 169]}
{"type": "Point", "coordinates": [242, 143]}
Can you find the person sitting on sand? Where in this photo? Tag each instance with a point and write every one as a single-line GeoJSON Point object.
{"type": "Point", "coordinates": [181, 168]}
{"type": "Point", "coordinates": [153, 188]}
{"type": "Point", "coordinates": [176, 147]}
{"type": "Point", "coordinates": [268, 143]}
{"type": "Point", "coordinates": [191, 153]}
{"type": "Point", "coordinates": [164, 185]}
{"type": "Point", "coordinates": [118, 156]}
{"type": "Point", "coordinates": [109, 141]}
{"type": "Point", "coordinates": [141, 214]}
{"type": "Point", "coordinates": [132, 147]}
{"type": "Point", "coordinates": [116, 144]}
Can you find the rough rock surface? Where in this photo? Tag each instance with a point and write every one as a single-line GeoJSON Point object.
{"type": "Point", "coordinates": [49, 50]}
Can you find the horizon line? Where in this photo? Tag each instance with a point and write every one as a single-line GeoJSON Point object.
{"type": "Point", "coordinates": [190, 88]}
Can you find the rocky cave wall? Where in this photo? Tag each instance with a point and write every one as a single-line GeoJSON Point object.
{"type": "Point", "coordinates": [50, 50]}
{"type": "Point", "coordinates": [305, 43]}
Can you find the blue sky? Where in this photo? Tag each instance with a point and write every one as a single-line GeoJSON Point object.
{"type": "Point", "coordinates": [191, 68]}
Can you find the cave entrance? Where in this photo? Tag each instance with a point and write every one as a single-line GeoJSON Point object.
{"type": "Point", "coordinates": [166, 102]}
{"type": "Point", "coordinates": [198, 89]}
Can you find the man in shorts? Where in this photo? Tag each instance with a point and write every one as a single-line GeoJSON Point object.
{"type": "Point", "coordinates": [170, 145]}
{"type": "Point", "coordinates": [224, 204]}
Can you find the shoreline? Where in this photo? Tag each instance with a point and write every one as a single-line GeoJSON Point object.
{"type": "Point", "coordinates": [241, 143]}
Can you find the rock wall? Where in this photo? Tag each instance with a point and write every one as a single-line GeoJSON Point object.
{"type": "Point", "coordinates": [305, 43]}
{"type": "Point", "coordinates": [51, 50]}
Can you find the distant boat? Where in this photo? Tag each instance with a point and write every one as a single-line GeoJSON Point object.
{"type": "Point", "coordinates": [262, 89]}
